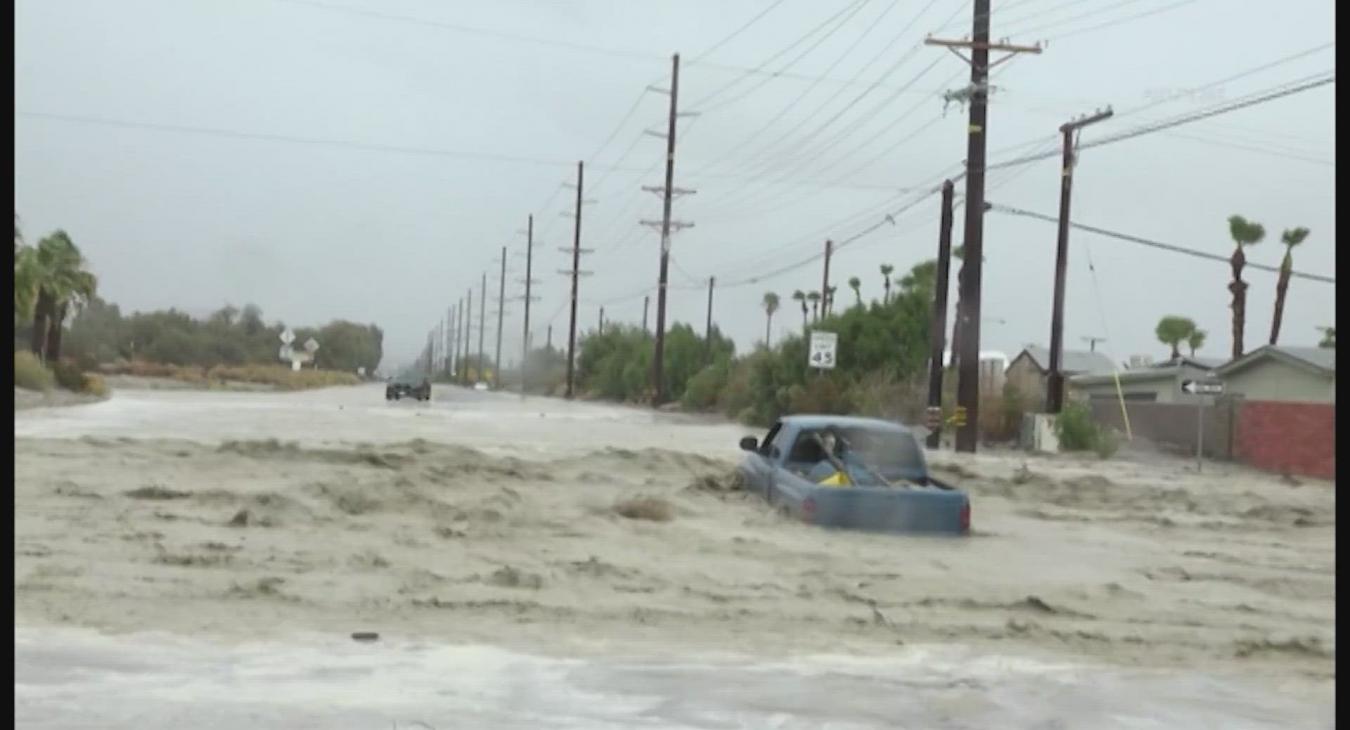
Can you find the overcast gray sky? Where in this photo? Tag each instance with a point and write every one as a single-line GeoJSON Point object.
{"type": "Point", "coordinates": [466, 125]}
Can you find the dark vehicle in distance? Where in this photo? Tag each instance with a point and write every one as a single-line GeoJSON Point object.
{"type": "Point", "coordinates": [411, 385]}
{"type": "Point", "coordinates": [887, 486]}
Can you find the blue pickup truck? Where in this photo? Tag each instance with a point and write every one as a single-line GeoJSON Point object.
{"type": "Point", "coordinates": [888, 487]}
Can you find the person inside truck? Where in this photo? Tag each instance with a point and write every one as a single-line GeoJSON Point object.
{"type": "Point", "coordinates": [826, 473]}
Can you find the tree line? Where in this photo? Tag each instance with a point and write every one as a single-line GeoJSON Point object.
{"type": "Point", "coordinates": [59, 316]}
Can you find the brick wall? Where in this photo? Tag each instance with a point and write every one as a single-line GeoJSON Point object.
{"type": "Point", "coordinates": [1298, 438]}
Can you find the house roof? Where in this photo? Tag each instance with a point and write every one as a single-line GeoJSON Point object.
{"type": "Point", "coordinates": [1156, 372]}
{"type": "Point", "coordinates": [1073, 362]}
{"type": "Point", "coordinates": [1317, 359]}
{"type": "Point", "coordinates": [1204, 363]}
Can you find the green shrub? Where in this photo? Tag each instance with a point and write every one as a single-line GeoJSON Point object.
{"type": "Point", "coordinates": [69, 376]}
{"type": "Point", "coordinates": [705, 388]}
{"type": "Point", "coordinates": [95, 385]}
{"type": "Point", "coordinates": [1077, 431]}
{"type": "Point", "coordinates": [30, 374]}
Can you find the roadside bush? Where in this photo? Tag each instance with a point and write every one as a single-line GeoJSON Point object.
{"type": "Point", "coordinates": [30, 374]}
{"type": "Point", "coordinates": [1077, 431]}
{"type": "Point", "coordinates": [95, 385]}
{"type": "Point", "coordinates": [704, 389]}
{"type": "Point", "coordinates": [69, 376]}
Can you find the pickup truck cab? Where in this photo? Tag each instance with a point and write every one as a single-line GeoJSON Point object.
{"type": "Point", "coordinates": [895, 491]}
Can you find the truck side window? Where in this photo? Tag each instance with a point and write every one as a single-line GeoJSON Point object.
{"type": "Point", "coordinates": [766, 446]}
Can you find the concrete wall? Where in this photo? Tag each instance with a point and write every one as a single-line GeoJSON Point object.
{"type": "Point", "coordinates": [1294, 438]}
{"type": "Point", "coordinates": [1173, 426]}
{"type": "Point", "coordinates": [1272, 380]}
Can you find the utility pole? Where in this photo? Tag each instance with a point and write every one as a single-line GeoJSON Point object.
{"type": "Point", "coordinates": [977, 132]}
{"type": "Point", "coordinates": [1092, 342]}
{"type": "Point", "coordinates": [825, 281]}
{"type": "Point", "coordinates": [575, 273]}
{"type": "Point", "coordinates": [525, 338]}
{"type": "Point", "coordinates": [645, 301]}
{"type": "Point", "coordinates": [1054, 390]}
{"type": "Point", "coordinates": [668, 191]}
{"type": "Point", "coordinates": [482, 328]}
{"type": "Point", "coordinates": [459, 333]}
{"type": "Point", "coordinates": [938, 349]}
{"type": "Point", "coordinates": [602, 320]}
{"type": "Point", "coordinates": [501, 313]}
{"type": "Point", "coordinates": [707, 337]}
{"type": "Point", "coordinates": [548, 343]}
{"type": "Point", "coordinates": [468, 333]}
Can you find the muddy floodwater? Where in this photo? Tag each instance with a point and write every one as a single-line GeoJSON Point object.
{"type": "Point", "coordinates": [201, 559]}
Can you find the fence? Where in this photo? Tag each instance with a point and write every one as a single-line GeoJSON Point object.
{"type": "Point", "coordinates": [1293, 438]}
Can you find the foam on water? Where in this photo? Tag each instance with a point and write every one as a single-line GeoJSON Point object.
{"type": "Point", "coordinates": [75, 678]}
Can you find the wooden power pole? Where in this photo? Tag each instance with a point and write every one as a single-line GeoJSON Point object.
{"type": "Point", "coordinates": [501, 315]}
{"type": "Point", "coordinates": [707, 337]}
{"type": "Point", "coordinates": [825, 281]}
{"type": "Point", "coordinates": [482, 328]}
{"type": "Point", "coordinates": [1054, 385]}
{"type": "Point", "coordinates": [525, 338]}
{"type": "Point", "coordinates": [575, 273]}
{"type": "Point", "coordinates": [938, 349]}
{"type": "Point", "coordinates": [468, 333]}
{"type": "Point", "coordinates": [668, 192]}
{"type": "Point", "coordinates": [977, 134]}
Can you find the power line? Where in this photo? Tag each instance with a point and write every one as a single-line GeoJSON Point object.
{"type": "Point", "coordinates": [703, 101]}
{"type": "Point", "coordinates": [718, 45]}
{"type": "Point", "coordinates": [1259, 98]}
{"type": "Point", "coordinates": [1120, 21]}
{"type": "Point", "coordinates": [1154, 244]}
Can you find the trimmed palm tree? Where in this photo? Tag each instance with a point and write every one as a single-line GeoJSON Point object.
{"type": "Point", "coordinates": [827, 304]}
{"type": "Point", "coordinates": [1290, 239]}
{"type": "Point", "coordinates": [1173, 331]}
{"type": "Point", "coordinates": [814, 299]}
{"type": "Point", "coordinates": [1244, 233]}
{"type": "Point", "coordinates": [855, 284]}
{"type": "Point", "coordinates": [800, 297]}
{"type": "Point", "coordinates": [1196, 340]}
{"type": "Point", "coordinates": [770, 306]}
{"type": "Point", "coordinates": [1328, 338]}
{"type": "Point", "coordinates": [50, 282]}
{"type": "Point", "coordinates": [886, 271]}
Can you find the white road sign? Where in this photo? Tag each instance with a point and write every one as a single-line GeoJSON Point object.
{"type": "Point", "coordinates": [311, 345]}
{"type": "Point", "coordinates": [285, 353]}
{"type": "Point", "coordinates": [287, 336]}
{"type": "Point", "coordinates": [823, 348]}
{"type": "Point", "coordinates": [1202, 387]}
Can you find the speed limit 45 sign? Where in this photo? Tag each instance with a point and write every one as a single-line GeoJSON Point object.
{"type": "Point", "coordinates": [823, 349]}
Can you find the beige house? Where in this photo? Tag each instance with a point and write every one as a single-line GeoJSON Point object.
{"type": "Point", "coordinates": [1278, 373]}
{"type": "Point", "coordinates": [1154, 384]}
{"type": "Point", "coordinates": [1028, 371]}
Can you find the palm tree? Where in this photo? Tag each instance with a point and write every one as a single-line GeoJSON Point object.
{"type": "Point", "coordinates": [1328, 338]}
{"type": "Point", "coordinates": [1244, 233]}
{"type": "Point", "coordinates": [1173, 330]}
{"type": "Point", "coordinates": [800, 296]}
{"type": "Point", "coordinates": [50, 281]}
{"type": "Point", "coordinates": [1196, 340]}
{"type": "Point", "coordinates": [1290, 239]}
{"type": "Point", "coordinates": [770, 306]}
{"type": "Point", "coordinates": [886, 271]}
{"type": "Point", "coordinates": [855, 284]}
{"type": "Point", "coordinates": [814, 299]}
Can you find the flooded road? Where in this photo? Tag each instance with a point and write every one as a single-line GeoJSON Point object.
{"type": "Point", "coordinates": [194, 559]}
